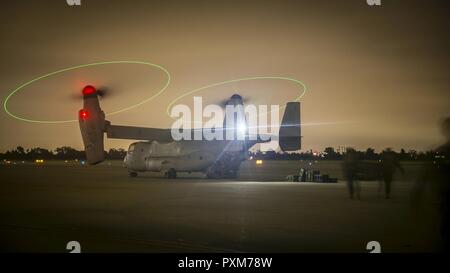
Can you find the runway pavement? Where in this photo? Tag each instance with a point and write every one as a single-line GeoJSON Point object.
{"type": "Point", "coordinates": [42, 207]}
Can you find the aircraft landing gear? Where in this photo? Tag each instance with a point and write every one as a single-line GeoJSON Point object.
{"type": "Point", "coordinates": [132, 174]}
{"type": "Point", "coordinates": [213, 174]}
{"type": "Point", "coordinates": [231, 174]}
{"type": "Point", "coordinates": [171, 173]}
{"type": "Point", "coordinates": [221, 173]}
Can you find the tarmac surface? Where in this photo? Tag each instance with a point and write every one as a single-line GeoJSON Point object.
{"type": "Point", "coordinates": [44, 206]}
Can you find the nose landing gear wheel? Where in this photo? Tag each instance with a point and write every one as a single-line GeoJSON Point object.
{"type": "Point", "coordinates": [132, 174]}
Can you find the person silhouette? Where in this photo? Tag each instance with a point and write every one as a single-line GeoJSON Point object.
{"type": "Point", "coordinates": [350, 168]}
{"type": "Point", "coordinates": [389, 164]}
{"type": "Point", "coordinates": [437, 175]}
{"type": "Point", "coordinates": [442, 169]}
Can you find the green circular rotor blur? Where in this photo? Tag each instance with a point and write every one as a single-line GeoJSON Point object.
{"type": "Point", "coordinates": [300, 94]}
{"type": "Point", "coordinates": [21, 87]}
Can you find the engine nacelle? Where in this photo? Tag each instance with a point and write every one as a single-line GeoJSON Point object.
{"type": "Point", "coordinates": [92, 126]}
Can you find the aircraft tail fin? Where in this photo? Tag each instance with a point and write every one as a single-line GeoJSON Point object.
{"type": "Point", "coordinates": [290, 130]}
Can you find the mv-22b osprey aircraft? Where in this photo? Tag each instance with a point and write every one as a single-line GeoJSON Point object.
{"type": "Point", "coordinates": [159, 152]}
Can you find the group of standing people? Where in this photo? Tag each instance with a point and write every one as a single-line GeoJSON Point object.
{"type": "Point", "coordinates": [434, 174]}
{"type": "Point", "coordinates": [386, 169]}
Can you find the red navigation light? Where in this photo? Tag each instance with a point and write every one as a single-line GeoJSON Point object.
{"type": "Point", "coordinates": [84, 114]}
{"type": "Point", "coordinates": [88, 90]}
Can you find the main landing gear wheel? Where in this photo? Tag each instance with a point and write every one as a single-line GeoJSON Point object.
{"type": "Point", "coordinates": [221, 173]}
{"type": "Point", "coordinates": [132, 174]}
{"type": "Point", "coordinates": [171, 174]}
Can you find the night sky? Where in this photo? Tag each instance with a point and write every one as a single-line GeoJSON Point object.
{"type": "Point", "coordinates": [376, 76]}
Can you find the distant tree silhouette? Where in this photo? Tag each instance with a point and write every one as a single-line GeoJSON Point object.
{"type": "Point", "coordinates": [330, 153]}
{"type": "Point", "coordinates": [20, 150]}
{"type": "Point", "coordinates": [69, 153]}
{"type": "Point", "coordinates": [116, 154]}
{"type": "Point", "coordinates": [40, 153]}
{"type": "Point", "coordinates": [412, 154]}
{"type": "Point", "coordinates": [370, 154]}
{"type": "Point", "coordinates": [403, 155]}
